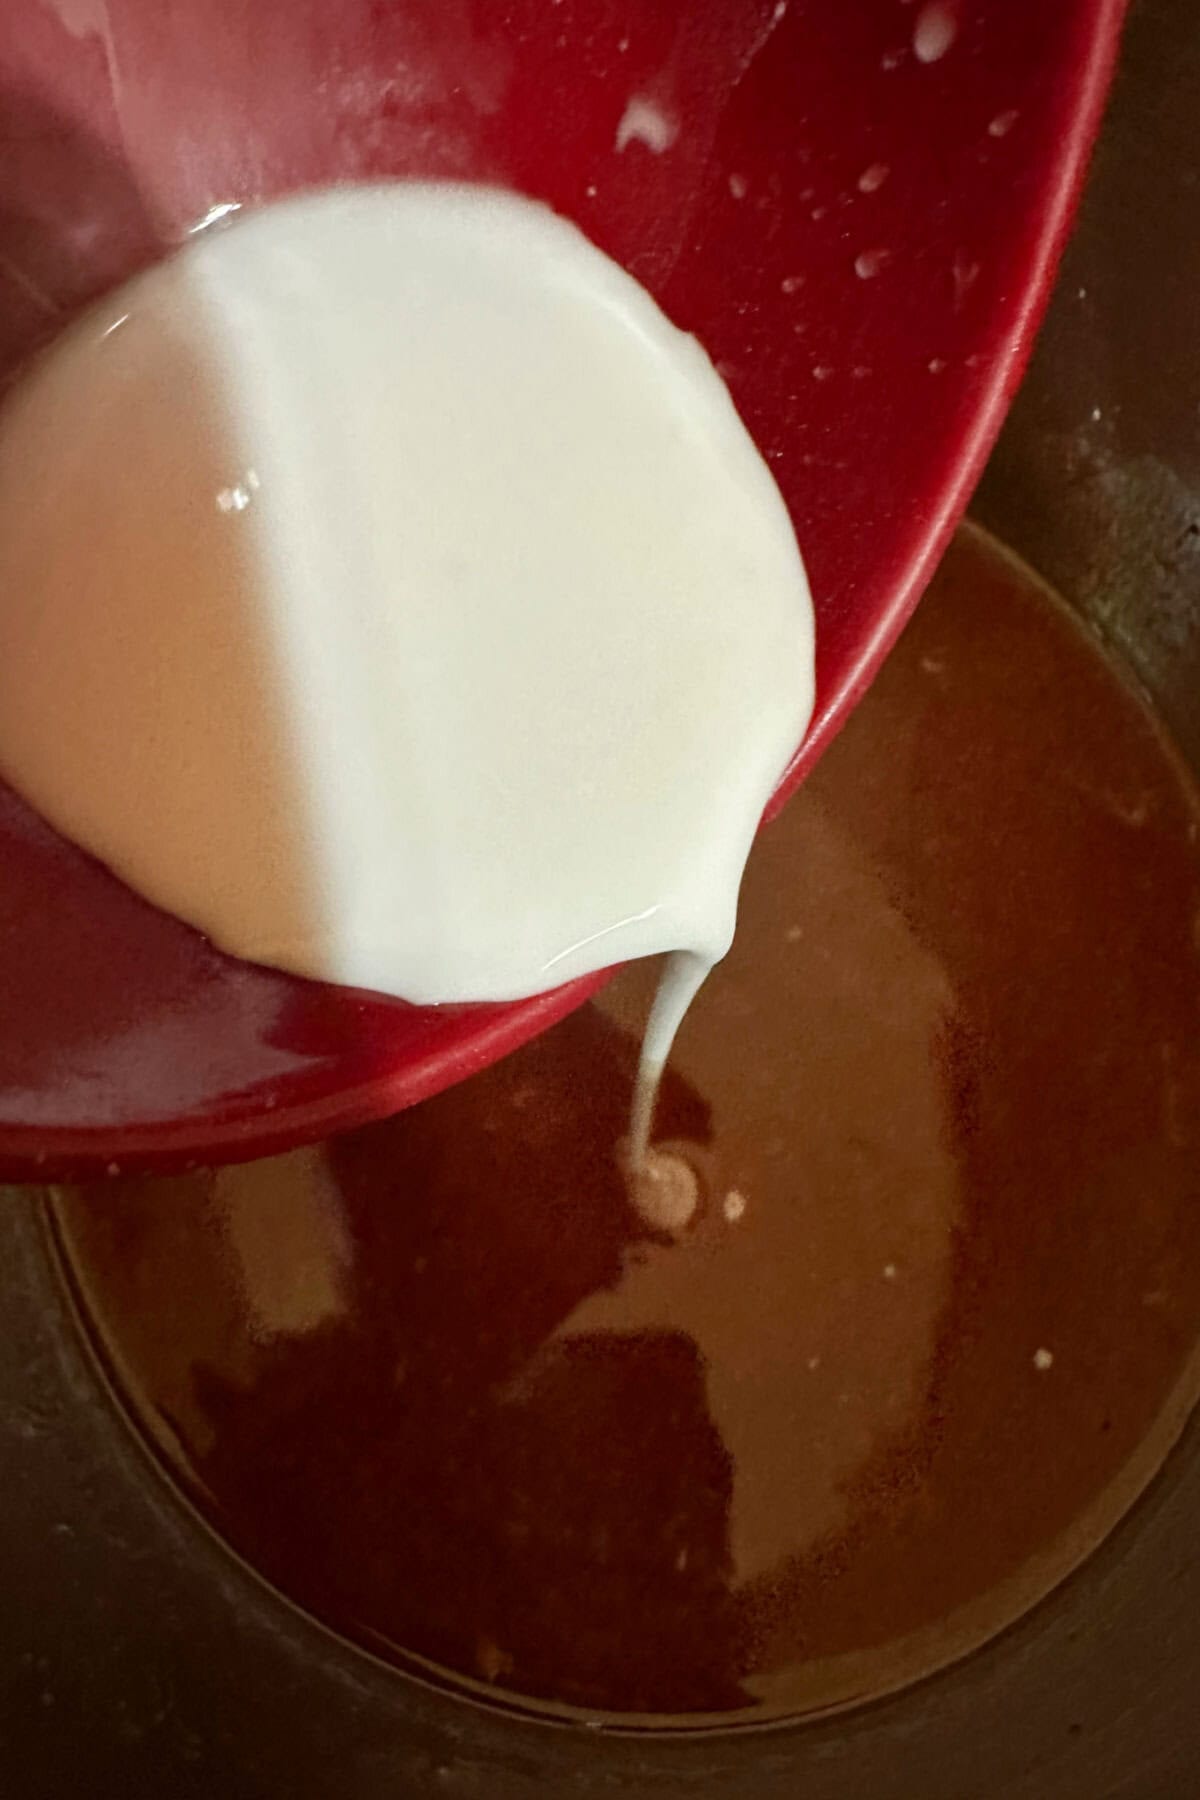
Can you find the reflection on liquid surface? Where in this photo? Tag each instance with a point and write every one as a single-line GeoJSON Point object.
{"type": "Point", "coordinates": [927, 1333]}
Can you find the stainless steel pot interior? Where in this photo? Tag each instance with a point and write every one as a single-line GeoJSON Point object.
{"type": "Point", "coordinates": [136, 1657]}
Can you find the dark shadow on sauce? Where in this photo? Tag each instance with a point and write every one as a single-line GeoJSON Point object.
{"type": "Point", "coordinates": [441, 1467]}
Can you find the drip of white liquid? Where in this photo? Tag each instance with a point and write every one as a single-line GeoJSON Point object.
{"type": "Point", "coordinates": [397, 597]}
{"type": "Point", "coordinates": [683, 976]}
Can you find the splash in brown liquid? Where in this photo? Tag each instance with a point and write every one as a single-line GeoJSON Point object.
{"type": "Point", "coordinates": [930, 1329]}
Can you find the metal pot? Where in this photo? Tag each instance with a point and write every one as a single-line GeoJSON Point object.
{"type": "Point", "coordinates": [139, 1657]}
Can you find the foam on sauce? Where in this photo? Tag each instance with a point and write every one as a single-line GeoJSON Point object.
{"type": "Point", "coordinates": [395, 595]}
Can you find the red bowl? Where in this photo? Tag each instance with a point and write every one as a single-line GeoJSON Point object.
{"type": "Point", "coordinates": [861, 235]}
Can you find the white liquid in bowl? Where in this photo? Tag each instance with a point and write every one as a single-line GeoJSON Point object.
{"type": "Point", "coordinates": [389, 590]}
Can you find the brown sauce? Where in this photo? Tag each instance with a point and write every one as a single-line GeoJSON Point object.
{"type": "Point", "coordinates": [932, 1328]}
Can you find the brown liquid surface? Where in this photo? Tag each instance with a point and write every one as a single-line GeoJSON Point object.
{"type": "Point", "coordinates": [930, 1330]}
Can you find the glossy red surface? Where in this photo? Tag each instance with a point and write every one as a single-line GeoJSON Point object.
{"type": "Point", "coordinates": [861, 239]}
